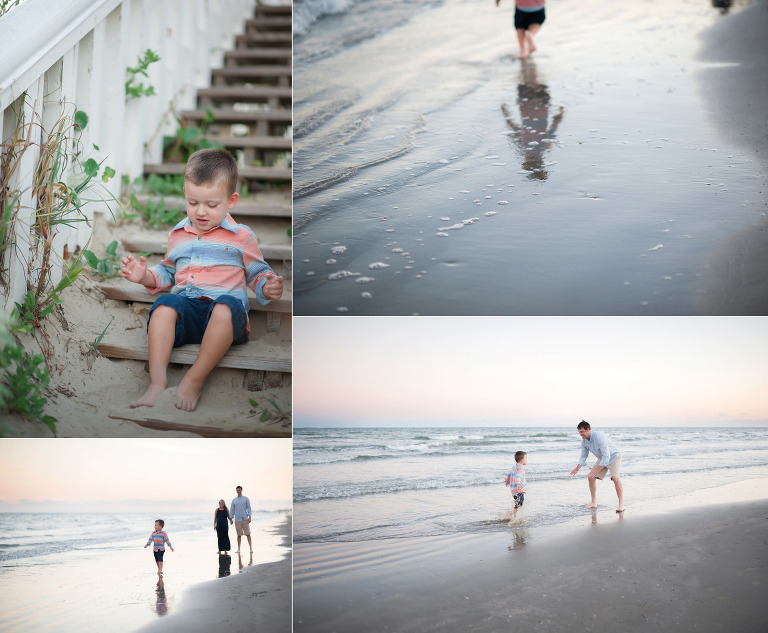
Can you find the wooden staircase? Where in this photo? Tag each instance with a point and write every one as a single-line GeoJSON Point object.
{"type": "Point", "coordinates": [250, 100]}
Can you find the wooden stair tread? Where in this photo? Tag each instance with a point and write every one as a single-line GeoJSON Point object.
{"type": "Point", "coordinates": [269, 22]}
{"type": "Point", "coordinates": [244, 93]}
{"type": "Point", "coordinates": [133, 293]}
{"type": "Point", "coordinates": [256, 142]}
{"type": "Point", "coordinates": [259, 53]}
{"type": "Point", "coordinates": [227, 115]}
{"type": "Point", "coordinates": [148, 421]}
{"type": "Point", "coordinates": [240, 72]}
{"type": "Point", "coordinates": [271, 38]}
{"type": "Point", "coordinates": [251, 355]}
{"type": "Point", "coordinates": [274, 9]}
{"type": "Point", "coordinates": [245, 207]}
{"type": "Point", "coordinates": [257, 173]}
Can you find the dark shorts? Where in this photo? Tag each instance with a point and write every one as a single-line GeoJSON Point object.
{"type": "Point", "coordinates": [194, 315]}
{"type": "Point", "coordinates": [519, 498]}
{"type": "Point", "coordinates": [158, 555]}
{"type": "Point", "coordinates": [524, 19]}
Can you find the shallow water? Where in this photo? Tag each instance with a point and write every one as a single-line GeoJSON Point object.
{"type": "Point", "coordinates": [436, 174]}
{"type": "Point", "coordinates": [380, 484]}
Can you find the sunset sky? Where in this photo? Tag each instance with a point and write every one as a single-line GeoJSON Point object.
{"type": "Point", "coordinates": [132, 474]}
{"type": "Point", "coordinates": [517, 371]}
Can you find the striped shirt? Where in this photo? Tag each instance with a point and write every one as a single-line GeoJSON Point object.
{"type": "Point", "coordinates": [222, 261]}
{"type": "Point", "coordinates": [158, 540]}
{"type": "Point", "coordinates": [516, 478]}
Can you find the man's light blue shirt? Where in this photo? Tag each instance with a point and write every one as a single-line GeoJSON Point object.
{"type": "Point", "coordinates": [240, 508]}
{"type": "Point", "coordinates": [600, 446]}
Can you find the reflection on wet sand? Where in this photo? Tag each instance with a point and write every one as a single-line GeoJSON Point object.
{"type": "Point", "coordinates": [723, 5]}
{"type": "Point", "coordinates": [520, 537]}
{"type": "Point", "coordinates": [161, 603]}
{"type": "Point", "coordinates": [225, 563]}
{"type": "Point", "coordinates": [533, 136]}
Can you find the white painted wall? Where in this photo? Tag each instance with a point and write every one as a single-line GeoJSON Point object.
{"type": "Point", "coordinates": [71, 53]}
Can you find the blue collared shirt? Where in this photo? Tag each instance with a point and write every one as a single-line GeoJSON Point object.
{"type": "Point", "coordinates": [600, 446]}
{"type": "Point", "coordinates": [240, 508]}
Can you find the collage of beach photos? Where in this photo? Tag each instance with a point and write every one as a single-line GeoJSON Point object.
{"type": "Point", "coordinates": [332, 316]}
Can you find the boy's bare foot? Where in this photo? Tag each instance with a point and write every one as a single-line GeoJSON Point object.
{"type": "Point", "coordinates": [592, 505]}
{"type": "Point", "coordinates": [531, 45]}
{"type": "Point", "coordinates": [188, 394]}
{"type": "Point", "coordinates": [150, 396]}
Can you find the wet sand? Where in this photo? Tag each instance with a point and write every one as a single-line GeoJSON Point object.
{"type": "Point", "coordinates": [692, 567]}
{"type": "Point", "coordinates": [257, 600]}
{"type": "Point", "coordinates": [644, 194]}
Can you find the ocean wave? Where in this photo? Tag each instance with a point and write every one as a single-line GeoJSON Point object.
{"type": "Point", "coordinates": [307, 12]}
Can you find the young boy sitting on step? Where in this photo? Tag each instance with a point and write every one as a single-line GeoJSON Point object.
{"type": "Point", "coordinates": [209, 263]}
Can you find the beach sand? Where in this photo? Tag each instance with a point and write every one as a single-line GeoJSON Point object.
{"type": "Point", "coordinates": [257, 600]}
{"type": "Point", "coordinates": [698, 565]}
{"type": "Point", "coordinates": [650, 199]}
{"type": "Point", "coordinates": [86, 388]}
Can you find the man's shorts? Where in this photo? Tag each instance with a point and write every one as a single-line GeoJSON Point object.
{"type": "Point", "coordinates": [519, 498]}
{"type": "Point", "coordinates": [243, 528]}
{"type": "Point", "coordinates": [614, 467]}
{"type": "Point", "coordinates": [158, 555]}
{"type": "Point", "coordinates": [194, 315]}
{"type": "Point", "coordinates": [524, 19]}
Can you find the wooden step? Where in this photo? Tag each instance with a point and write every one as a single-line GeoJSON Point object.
{"type": "Point", "coordinates": [255, 142]}
{"type": "Point", "coordinates": [244, 93]}
{"type": "Point", "coordinates": [249, 356]}
{"type": "Point", "coordinates": [274, 9]}
{"type": "Point", "coordinates": [228, 115]}
{"type": "Point", "coordinates": [254, 173]}
{"type": "Point", "coordinates": [253, 40]}
{"type": "Point", "coordinates": [133, 293]}
{"type": "Point", "coordinates": [151, 421]}
{"type": "Point", "coordinates": [269, 23]}
{"type": "Point", "coordinates": [245, 206]}
{"type": "Point", "coordinates": [251, 73]}
{"type": "Point", "coordinates": [250, 54]}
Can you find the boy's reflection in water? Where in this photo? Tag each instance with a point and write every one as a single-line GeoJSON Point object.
{"type": "Point", "coordinates": [533, 137]}
{"type": "Point", "coordinates": [161, 604]}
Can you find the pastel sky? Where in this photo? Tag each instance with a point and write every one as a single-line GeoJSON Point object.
{"type": "Point", "coordinates": [141, 474]}
{"type": "Point", "coordinates": [448, 371]}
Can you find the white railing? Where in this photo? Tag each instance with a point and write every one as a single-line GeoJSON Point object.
{"type": "Point", "coordinates": [56, 55]}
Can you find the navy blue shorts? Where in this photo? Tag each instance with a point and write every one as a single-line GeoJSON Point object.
{"type": "Point", "coordinates": [519, 498]}
{"type": "Point", "coordinates": [194, 315]}
{"type": "Point", "coordinates": [158, 555]}
{"type": "Point", "coordinates": [524, 19]}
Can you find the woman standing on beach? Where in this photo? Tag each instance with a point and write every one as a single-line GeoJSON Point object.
{"type": "Point", "coordinates": [220, 518]}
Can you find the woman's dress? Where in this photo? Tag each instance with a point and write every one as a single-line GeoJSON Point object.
{"type": "Point", "coordinates": [222, 530]}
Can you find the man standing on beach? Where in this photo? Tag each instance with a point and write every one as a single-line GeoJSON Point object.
{"type": "Point", "coordinates": [608, 460]}
{"type": "Point", "coordinates": [240, 511]}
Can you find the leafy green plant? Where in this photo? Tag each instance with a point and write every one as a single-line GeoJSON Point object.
{"type": "Point", "coordinates": [101, 336]}
{"type": "Point", "coordinates": [108, 266]}
{"type": "Point", "coordinates": [188, 139]}
{"type": "Point", "coordinates": [156, 215]}
{"type": "Point", "coordinates": [22, 381]}
{"type": "Point", "coordinates": [271, 412]}
{"type": "Point", "coordinates": [133, 87]}
{"type": "Point", "coordinates": [7, 5]}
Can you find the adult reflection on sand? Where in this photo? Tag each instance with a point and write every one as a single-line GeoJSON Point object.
{"type": "Point", "coordinates": [161, 603]}
{"type": "Point", "coordinates": [532, 136]}
{"type": "Point", "coordinates": [225, 563]}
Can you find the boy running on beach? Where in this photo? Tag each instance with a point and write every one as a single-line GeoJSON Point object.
{"type": "Point", "coordinates": [516, 481]}
{"type": "Point", "coordinates": [157, 540]}
{"type": "Point", "coordinates": [209, 263]}
{"type": "Point", "coordinates": [529, 16]}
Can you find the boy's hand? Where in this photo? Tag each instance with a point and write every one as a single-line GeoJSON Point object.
{"type": "Point", "coordinates": [273, 287]}
{"type": "Point", "coordinates": [145, 547]}
{"type": "Point", "coordinates": [133, 270]}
